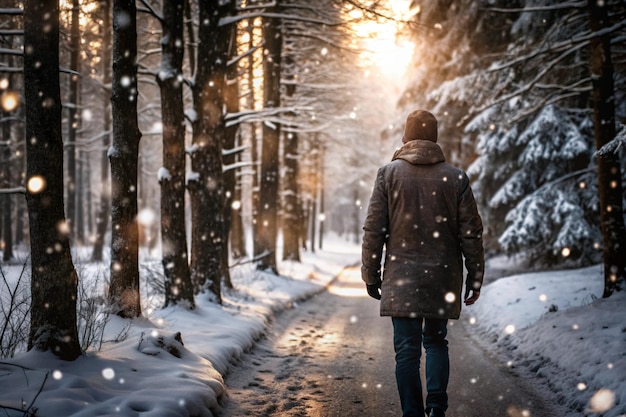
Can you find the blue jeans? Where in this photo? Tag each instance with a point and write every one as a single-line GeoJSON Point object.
{"type": "Point", "coordinates": [407, 342]}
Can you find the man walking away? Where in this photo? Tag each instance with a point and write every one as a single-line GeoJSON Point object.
{"type": "Point", "coordinates": [423, 213]}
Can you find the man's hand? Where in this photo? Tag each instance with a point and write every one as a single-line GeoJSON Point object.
{"type": "Point", "coordinates": [373, 291]}
{"type": "Point", "coordinates": [471, 300]}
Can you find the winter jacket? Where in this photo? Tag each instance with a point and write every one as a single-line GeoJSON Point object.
{"type": "Point", "coordinates": [422, 211]}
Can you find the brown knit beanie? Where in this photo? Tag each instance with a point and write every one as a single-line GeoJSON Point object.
{"type": "Point", "coordinates": [420, 125]}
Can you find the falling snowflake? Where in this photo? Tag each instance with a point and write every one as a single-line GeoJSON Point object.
{"type": "Point", "coordinates": [602, 401]}
{"type": "Point", "coordinates": [108, 373]}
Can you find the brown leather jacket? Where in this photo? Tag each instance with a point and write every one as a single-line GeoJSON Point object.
{"type": "Point", "coordinates": [423, 212]}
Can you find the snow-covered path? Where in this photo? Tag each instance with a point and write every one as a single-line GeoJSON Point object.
{"type": "Point", "coordinates": [329, 356]}
{"type": "Point", "coordinates": [332, 356]}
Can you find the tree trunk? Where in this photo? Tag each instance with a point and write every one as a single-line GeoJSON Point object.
{"type": "Point", "coordinates": [102, 217]}
{"type": "Point", "coordinates": [54, 281]}
{"type": "Point", "coordinates": [322, 216]}
{"type": "Point", "coordinates": [254, 140]}
{"type": "Point", "coordinates": [72, 122]}
{"type": "Point", "coordinates": [6, 209]}
{"type": "Point", "coordinates": [267, 210]}
{"type": "Point", "coordinates": [7, 178]}
{"type": "Point", "coordinates": [83, 198]}
{"type": "Point", "coordinates": [191, 36]}
{"type": "Point", "coordinates": [178, 287]}
{"type": "Point", "coordinates": [609, 172]}
{"type": "Point", "coordinates": [123, 156]}
{"type": "Point", "coordinates": [312, 209]}
{"type": "Point", "coordinates": [357, 216]}
{"type": "Point", "coordinates": [237, 238]}
{"type": "Point", "coordinates": [21, 210]}
{"type": "Point", "coordinates": [292, 211]}
{"type": "Point", "coordinates": [231, 102]}
{"type": "Point", "coordinates": [206, 186]}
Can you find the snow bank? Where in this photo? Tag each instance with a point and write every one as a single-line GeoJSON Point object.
{"type": "Point", "coordinates": [555, 328]}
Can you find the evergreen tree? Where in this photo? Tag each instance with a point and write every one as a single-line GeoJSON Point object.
{"type": "Point", "coordinates": [518, 93]}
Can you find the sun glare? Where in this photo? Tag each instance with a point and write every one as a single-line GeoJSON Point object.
{"type": "Point", "coordinates": [382, 47]}
{"type": "Point", "coordinates": [86, 8]}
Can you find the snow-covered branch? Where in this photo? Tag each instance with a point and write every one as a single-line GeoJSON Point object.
{"type": "Point", "coordinates": [9, 51]}
{"type": "Point", "coordinates": [234, 19]}
{"type": "Point", "coordinates": [64, 70]}
{"type": "Point", "coordinates": [379, 14]}
{"type": "Point", "coordinates": [545, 69]}
{"type": "Point", "coordinates": [546, 101]}
{"type": "Point", "coordinates": [573, 42]}
{"type": "Point", "coordinates": [235, 150]}
{"type": "Point", "coordinates": [561, 6]}
{"type": "Point", "coordinates": [324, 40]}
{"type": "Point", "coordinates": [246, 54]}
{"type": "Point", "coordinates": [11, 12]}
{"type": "Point", "coordinates": [15, 190]}
{"type": "Point", "coordinates": [614, 145]}
{"type": "Point", "coordinates": [11, 70]}
{"type": "Point", "coordinates": [260, 115]}
{"type": "Point", "coordinates": [236, 165]}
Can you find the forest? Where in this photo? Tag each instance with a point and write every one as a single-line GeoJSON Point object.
{"type": "Point", "coordinates": [212, 133]}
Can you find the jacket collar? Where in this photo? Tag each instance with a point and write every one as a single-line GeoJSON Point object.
{"type": "Point", "coordinates": [420, 152]}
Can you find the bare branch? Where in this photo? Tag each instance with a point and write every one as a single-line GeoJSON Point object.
{"type": "Point", "coordinates": [11, 32]}
{"type": "Point", "coordinates": [561, 6]}
{"type": "Point", "coordinates": [233, 19]}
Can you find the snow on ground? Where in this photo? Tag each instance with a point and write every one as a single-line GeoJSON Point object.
{"type": "Point", "coordinates": [549, 325]}
{"type": "Point", "coordinates": [554, 326]}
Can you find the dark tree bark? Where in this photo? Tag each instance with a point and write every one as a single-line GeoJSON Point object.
{"type": "Point", "coordinates": [267, 210]}
{"type": "Point", "coordinates": [206, 187]}
{"type": "Point", "coordinates": [104, 210]}
{"type": "Point", "coordinates": [237, 238]}
{"type": "Point", "coordinates": [21, 211]}
{"type": "Point", "coordinates": [322, 218]}
{"type": "Point", "coordinates": [6, 209]}
{"type": "Point", "coordinates": [72, 122]}
{"type": "Point", "coordinates": [609, 172]}
{"type": "Point", "coordinates": [292, 211]}
{"type": "Point", "coordinates": [178, 286]}
{"type": "Point", "coordinates": [123, 156]}
{"type": "Point", "coordinates": [11, 170]}
{"type": "Point", "coordinates": [6, 181]}
{"type": "Point", "coordinates": [191, 36]}
{"type": "Point", "coordinates": [54, 280]}
{"type": "Point", "coordinates": [231, 102]}
{"type": "Point", "coordinates": [312, 209]}
{"type": "Point", "coordinates": [83, 197]}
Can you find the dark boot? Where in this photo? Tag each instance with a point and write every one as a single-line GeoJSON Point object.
{"type": "Point", "coordinates": [435, 412]}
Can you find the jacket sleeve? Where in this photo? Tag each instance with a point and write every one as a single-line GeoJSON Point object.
{"type": "Point", "coordinates": [375, 231]}
{"type": "Point", "coordinates": [471, 237]}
